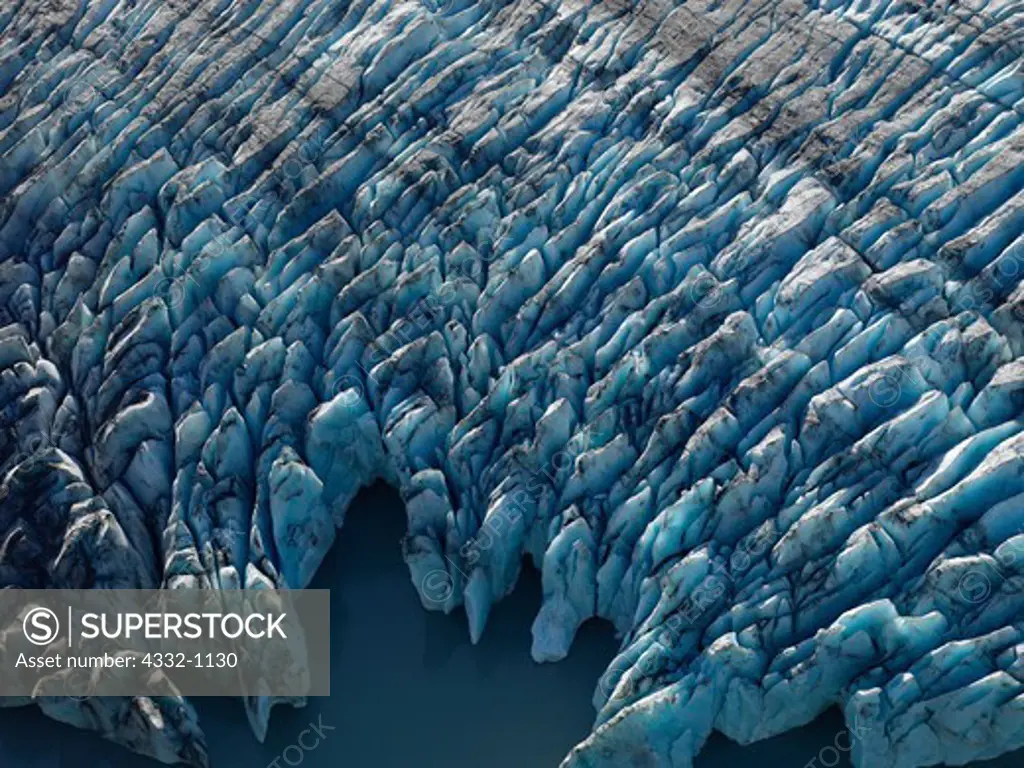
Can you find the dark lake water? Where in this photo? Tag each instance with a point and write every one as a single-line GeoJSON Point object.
{"type": "Point", "coordinates": [408, 688]}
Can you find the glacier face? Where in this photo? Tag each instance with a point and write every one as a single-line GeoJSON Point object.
{"type": "Point", "coordinates": [714, 309]}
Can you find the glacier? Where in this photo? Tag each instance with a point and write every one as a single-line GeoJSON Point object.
{"type": "Point", "coordinates": [713, 309]}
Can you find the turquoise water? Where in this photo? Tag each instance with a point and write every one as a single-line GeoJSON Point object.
{"type": "Point", "coordinates": [408, 688]}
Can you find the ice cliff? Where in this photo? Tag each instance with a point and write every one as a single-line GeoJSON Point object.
{"type": "Point", "coordinates": [712, 308]}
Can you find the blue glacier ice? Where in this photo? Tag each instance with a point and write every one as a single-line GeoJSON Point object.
{"type": "Point", "coordinates": [713, 309]}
